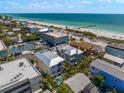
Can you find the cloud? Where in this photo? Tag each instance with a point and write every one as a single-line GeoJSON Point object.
{"type": "Point", "coordinates": [108, 1]}
{"type": "Point", "coordinates": [12, 4]}
{"type": "Point", "coordinates": [43, 5]}
{"type": "Point", "coordinates": [120, 1]}
{"type": "Point", "coordinates": [87, 2]}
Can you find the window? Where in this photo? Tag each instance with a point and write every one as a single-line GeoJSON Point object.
{"type": "Point", "coordinates": [93, 68]}
{"type": "Point", "coordinates": [17, 87]}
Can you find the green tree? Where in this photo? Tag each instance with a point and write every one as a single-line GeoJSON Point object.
{"type": "Point", "coordinates": [13, 23]}
{"type": "Point", "coordinates": [113, 91]}
{"type": "Point", "coordinates": [21, 47]}
{"type": "Point", "coordinates": [99, 80]}
{"type": "Point", "coordinates": [63, 88]}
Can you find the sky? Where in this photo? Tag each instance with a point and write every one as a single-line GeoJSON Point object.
{"type": "Point", "coordinates": [62, 6]}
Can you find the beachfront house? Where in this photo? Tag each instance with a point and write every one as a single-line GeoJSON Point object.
{"type": "Point", "coordinates": [44, 30]}
{"type": "Point", "coordinates": [113, 75]}
{"type": "Point", "coordinates": [23, 23]}
{"type": "Point", "coordinates": [32, 29]}
{"type": "Point", "coordinates": [115, 60]}
{"type": "Point", "coordinates": [84, 46]}
{"type": "Point", "coordinates": [98, 46]}
{"type": "Point", "coordinates": [115, 50]}
{"type": "Point", "coordinates": [80, 83]}
{"type": "Point", "coordinates": [3, 49]}
{"type": "Point", "coordinates": [19, 76]}
{"type": "Point", "coordinates": [49, 62]}
{"type": "Point", "coordinates": [71, 54]}
{"type": "Point", "coordinates": [53, 38]}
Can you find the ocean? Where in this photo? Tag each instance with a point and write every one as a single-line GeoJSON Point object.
{"type": "Point", "coordinates": [106, 22]}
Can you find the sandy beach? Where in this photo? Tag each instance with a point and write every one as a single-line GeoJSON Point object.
{"type": "Point", "coordinates": [94, 31]}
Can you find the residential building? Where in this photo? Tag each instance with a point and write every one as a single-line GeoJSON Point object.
{"type": "Point", "coordinates": [115, 60]}
{"type": "Point", "coordinates": [3, 48]}
{"type": "Point", "coordinates": [80, 83]}
{"type": "Point", "coordinates": [23, 23]}
{"type": "Point", "coordinates": [54, 38]}
{"type": "Point", "coordinates": [113, 75]}
{"type": "Point", "coordinates": [49, 62]}
{"type": "Point", "coordinates": [10, 34]}
{"type": "Point", "coordinates": [98, 45]}
{"type": "Point", "coordinates": [84, 46]}
{"type": "Point", "coordinates": [32, 28]}
{"type": "Point", "coordinates": [71, 54]}
{"type": "Point", "coordinates": [44, 30]}
{"type": "Point", "coordinates": [115, 50]}
{"type": "Point", "coordinates": [16, 29]}
{"type": "Point", "coordinates": [5, 22]}
{"type": "Point", "coordinates": [19, 76]}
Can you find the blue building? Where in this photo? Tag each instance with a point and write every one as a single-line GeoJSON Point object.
{"type": "Point", "coordinates": [71, 54]}
{"type": "Point", "coordinates": [3, 49]}
{"type": "Point", "coordinates": [115, 50]}
{"type": "Point", "coordinates": [113, 75]}
{"type": "Point", "coordinates": [53, 38]}
{"type": "Point", "coordinates": [32, 29]}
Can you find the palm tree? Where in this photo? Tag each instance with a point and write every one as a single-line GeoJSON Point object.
{"type": "Point", "coordinates": [113, 91]}
{"type": "Point", "coordinates": [99, 80]}
{"type": "Point", "coordinates": [14, 24]}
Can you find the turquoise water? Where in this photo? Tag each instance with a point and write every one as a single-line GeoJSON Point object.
{"type": "Point", "coordinates": [107, 22]}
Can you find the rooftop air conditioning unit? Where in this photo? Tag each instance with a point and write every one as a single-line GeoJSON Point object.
{"type": "Point", "coordinates": [1, 68]}
{"type": "Point", "coordinates": [21, 64]}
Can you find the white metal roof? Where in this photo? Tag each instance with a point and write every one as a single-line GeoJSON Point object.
{"type": "Point", "coordinates": [31, 26]}
{"type": "Point", "coordinates": [11, 73]}
{"type": "Point", "coordinates": [114, 58]}
{"type": "Point", "coordinates": [69, 50]}
{"type": "Point", "coordinates": [2, 45]}
{"type": "Point", "coordinates": [77, 82]}
{"type": "Point", "coordinates": [49, 58]}
{"type": "Point", "coordinates": [56, 34]}
{"type": "Point", "coordinates": [109, 68]}
{"type": "Point", "coordinates": [43, 30]}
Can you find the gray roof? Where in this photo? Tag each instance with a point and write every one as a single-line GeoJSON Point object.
{"type": "Point", "coordinates": [47, 91]}
{"type": "Point", "coordinates": [78, 82]}
{"type": "Point", "coordinates": [70, 50]}
{"type": "Point", "coordinates": [109, 68]}
{"type": "Point", "coordinates": [16, 71]}
{"type": "Point", "coordinates": [119, 47]}
{"type": "Point", "coordinates": [49, 58]}
{"type": "Point", "coordinates": [90, 88]}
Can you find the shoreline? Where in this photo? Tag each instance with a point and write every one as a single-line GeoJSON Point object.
{"type": "Point", "coordinates": [97, 32]}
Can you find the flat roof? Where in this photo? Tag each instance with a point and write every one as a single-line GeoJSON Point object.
{"type": "Point", "coordinates": [69, 50]}
{"type": "Point", "coordinates": [114, 58]}
{"type": "Point", "coordinates": [31, 26]}
{"type": "Point", "coordinates": [49, 58]}
{"type": "Point", "coordinates": [56, 34]}
{"type": "Point", "coordinates": [109, 68]}
{"type": "Point", "coordinates": [15, 71]}
{"type": "Point", "coordinates": [2, 45]}
{"type": "Point", "coordinates": [78, 82]}
{"type": "Point", "coordinates": [43, 30]}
